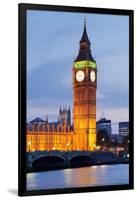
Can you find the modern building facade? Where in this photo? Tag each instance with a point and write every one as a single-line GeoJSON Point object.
{"type": "Point", "coordinates": [124, 128]}
{"type": "Point", "coordinates": [104, 123]}
{"type": "Point", "coordinates": [61, 135]}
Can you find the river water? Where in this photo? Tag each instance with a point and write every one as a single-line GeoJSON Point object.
{"type": "Point", "coordinates": [79, 177]}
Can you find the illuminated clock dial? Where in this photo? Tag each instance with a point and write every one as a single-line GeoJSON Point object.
{"type": "Point", "coordinates": [80, 76]}
{"type": "Point", "coordinates": [92, 76]}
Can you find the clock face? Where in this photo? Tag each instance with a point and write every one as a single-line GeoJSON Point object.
{"type": "Point", "coordinates": [92, 76]}
{"type": "Point", "coordinates": [80, 76]}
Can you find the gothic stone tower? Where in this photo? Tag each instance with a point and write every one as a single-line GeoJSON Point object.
{"type": "Point", "coordinates": [84, 96]}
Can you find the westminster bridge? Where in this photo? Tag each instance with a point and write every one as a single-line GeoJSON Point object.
{"type": "Point", "coordinates": [46, 160]}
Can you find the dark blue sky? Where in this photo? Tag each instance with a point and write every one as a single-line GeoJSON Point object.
{"type": "Point", "coordinates": [52, 45]}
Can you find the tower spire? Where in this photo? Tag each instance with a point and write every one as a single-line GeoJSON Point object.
{"type": "Point", "coordinates": [60, 109]}
{"type": "Point", "coordinates": [84, 51]}
{"type": "Point", "coordinates": [84, 21]}
{"type": "Point", "coordinates": [46, 118]}
{"type": "Point", "coordinates": [85, 38]}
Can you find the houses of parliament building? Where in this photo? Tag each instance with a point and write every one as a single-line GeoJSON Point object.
{"type": "Point", "coordinates": [42, 135]}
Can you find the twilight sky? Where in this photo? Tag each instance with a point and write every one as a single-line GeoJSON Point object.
{"type": "Point", "coordinates": [53, 44]}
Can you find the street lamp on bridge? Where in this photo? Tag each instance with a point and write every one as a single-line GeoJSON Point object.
{"type": "Point", "coordinates": [29, 145]}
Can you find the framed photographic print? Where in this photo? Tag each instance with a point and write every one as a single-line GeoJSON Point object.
{"type": "Point", "coordinates": [75, 99]}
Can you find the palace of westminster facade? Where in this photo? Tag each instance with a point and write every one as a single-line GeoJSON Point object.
{"type": "Point", "coordinates": [62, 135]}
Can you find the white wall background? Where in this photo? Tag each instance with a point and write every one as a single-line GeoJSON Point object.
{"type": "Point", "coordinates": [9, 98]}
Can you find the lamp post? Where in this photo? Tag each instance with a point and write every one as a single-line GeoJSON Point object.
{"type": "Point", "coordinates": [67, 146]}
{"type": "Point", "coordinates": [94, 147]}
{"type": "Point", "coordinates": [103, 139]}
{"type": "Point", "coordinates": [29, 145]}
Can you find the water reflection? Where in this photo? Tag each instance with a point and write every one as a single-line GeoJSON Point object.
{"type": "Point", "coordinates": [79, 177]}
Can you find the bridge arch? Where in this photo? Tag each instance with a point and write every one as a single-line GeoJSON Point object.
{"type": "Point", "coordinates": [80, 160]}
{"type": "Point", "coordinates": [48, 162]}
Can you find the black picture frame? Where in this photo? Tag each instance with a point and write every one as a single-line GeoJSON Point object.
{"type": "Point", "coordinates": [22, 97]}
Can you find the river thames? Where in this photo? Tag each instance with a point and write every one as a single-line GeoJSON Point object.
{"type": "Point", "coordinates": [79, 177]}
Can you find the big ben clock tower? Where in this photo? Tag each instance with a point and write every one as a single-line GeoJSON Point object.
{"type": "Point", "coordinates": [84, 96]}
